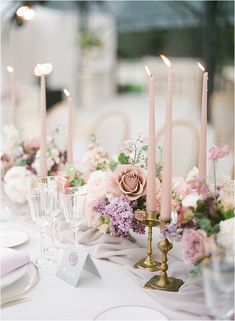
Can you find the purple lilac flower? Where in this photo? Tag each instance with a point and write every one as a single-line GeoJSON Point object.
{"type": "Point", "coordinates": [172, 231]}
{"type": "Point", "coordinates": [138, 227]}
{"type": "Point", "coordinates": [121, 215]}
{"type": "Point", "coordinates": [100, 206]}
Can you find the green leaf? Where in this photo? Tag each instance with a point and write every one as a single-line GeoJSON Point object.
{"type": "Point", "coordinates": [123, 159]}
{"type": "Point", "coordinates": [20, 163]}
{"type": "Point", "coordinates": [113, 165]}
{"type": "Point", "coordinates": [228, 214]}
{"type": "Point", "coordinates": [78, 182]}
{"type": "Point", "coordinates": [195, 270]}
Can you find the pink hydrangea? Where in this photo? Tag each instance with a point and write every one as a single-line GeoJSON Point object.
{"type": "Point", "coordinates": [217, 153]}
{"type": "Point", "coordinates": [195, 245]}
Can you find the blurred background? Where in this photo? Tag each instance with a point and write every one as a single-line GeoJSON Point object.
{"type": "Point", "coordinates": [98, 50]}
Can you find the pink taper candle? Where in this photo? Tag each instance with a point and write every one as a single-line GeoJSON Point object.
{"type": "Point", "coordinates": [42, 71]}
{"type": "Point", "coordinates": [151, 172]}
{"type": "Point", "coordinates": [167, 150]}
{"type": "Point", "coordinates": [43, 135]}
{"type": "Point", "coordinates": [203, 127]}
{"type": "Point", "coordinates": [13, 95]}
{"type": "Point", "coordinates": [69, 128]}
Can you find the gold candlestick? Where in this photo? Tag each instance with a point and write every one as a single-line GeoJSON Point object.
{"type": "Point", "coordinates": [162, 281]}
{"type": "Point", "coordinates": [148, 263]}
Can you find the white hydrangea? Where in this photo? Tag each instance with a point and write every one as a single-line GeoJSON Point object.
{"type": "Point", "coordinates": [225, 237]}
{"type": "Point", "coordinates": [18, 181]}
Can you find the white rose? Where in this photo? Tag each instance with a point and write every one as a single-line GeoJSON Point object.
{"type": "Point", "coordinates": [11, 140]}
{"type": "Point", "coordinates": [192, 174]}
{"type": "Point", "coordinates": [18, 182]}
{"type": "Point", "coordinates": [190, 200]}
{"type": "Point", "coordinates": [225, 237]}
{"type": "Point", "coordinates": [96, 185]}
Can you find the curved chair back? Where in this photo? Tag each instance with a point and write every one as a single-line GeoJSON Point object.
{"type": "Point", "coordinates": [185, 146]}
{"type": "Point", "coordinates": [111, 130]}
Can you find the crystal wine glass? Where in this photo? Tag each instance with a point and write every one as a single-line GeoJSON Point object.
{"type": "Point", "coordinates": [218, 277]}
{"type": "Point", "coordinates": [74, 199]}
{"type": "Point", "coordinates": [51, 188]}
{"type": "Point", "coordinates": [41, 220]}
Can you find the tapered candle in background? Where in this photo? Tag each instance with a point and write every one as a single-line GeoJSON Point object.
{"type": "Point", "coordinates": [203, 127]}
{"type": "Point", "coordinates": [42, 71]}
{"type": "Point", "coordinates": [69, 128]}
{"type": "Point", "coordinates": [12, 95]}
{"type": "Point", "coordinates": [151, 172]}
{"type": "Point", "coordinates": [167, 149]}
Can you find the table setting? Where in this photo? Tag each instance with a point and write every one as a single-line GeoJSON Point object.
{"type": "Point", "coordinates": [159, 243]}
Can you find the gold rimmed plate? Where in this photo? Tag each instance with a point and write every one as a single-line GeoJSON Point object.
{"type": "Point", "coordinates": [21, 286]}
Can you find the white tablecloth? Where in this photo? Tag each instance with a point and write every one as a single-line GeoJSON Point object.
{"type": "Point", "coordinates": [53, 299]}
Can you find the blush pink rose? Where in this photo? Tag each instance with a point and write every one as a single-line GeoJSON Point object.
{"type": "Point", "coordinates": [128, 180]}
{"type": "Point", "coordinates": [140, 215]}
{"type": "Point", "coordinates": [195, 245]}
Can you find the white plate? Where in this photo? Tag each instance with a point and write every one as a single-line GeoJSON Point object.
{"type": "Point", "coordinates": [22, 285]}
{"type": "Point", "coordinates": [14, 276]}
{"type": "Point", "coordinates": [11, 238]}
{"type": "Point", "coordinates": [130, 312]}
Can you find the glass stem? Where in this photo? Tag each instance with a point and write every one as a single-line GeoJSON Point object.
{"type": "Point", "coordinates": [53, 233]}
{"type": "Point", "coordinates": [76, 237]}
{"type": "Point", "coordinates": [42, 243]}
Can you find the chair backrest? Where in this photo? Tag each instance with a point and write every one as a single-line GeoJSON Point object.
{"type": "Point", "coordinates": [222, 113]}
{"type": "Point", "coordinates": [56, 117]}
{"type": "Point", "coordinates": [111, 130]}
{"type": "Point", "coordinates": [185, 146]}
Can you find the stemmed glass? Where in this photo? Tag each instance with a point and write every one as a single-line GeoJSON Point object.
{"type": "Point", "coordinates": [218, 277]}
{"type": "Point", "coordinates": [74, 200]}
{"type": "Point", "coordinates": [51, 188]}
{"type": "Point", "coordinates": [41, 220]}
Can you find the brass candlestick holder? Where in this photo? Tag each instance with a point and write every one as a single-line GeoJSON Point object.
{"type": "Point", "coordinates": [162, 281]}
{"type": "Point", "coordinates": [148, 263]}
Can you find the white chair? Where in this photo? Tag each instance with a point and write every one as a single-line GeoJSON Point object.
{"type": "Point", "coordinates": [222, 113]}
{"type": "Point", "coordinates": [185, 146]}
{"type": "Point", "coordinates": [56, 118]}
{"type": "Point", "coordinates": [111, 130]}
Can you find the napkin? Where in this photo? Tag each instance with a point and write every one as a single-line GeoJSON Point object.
{"type": "Point", "coordinates": [11, 260]}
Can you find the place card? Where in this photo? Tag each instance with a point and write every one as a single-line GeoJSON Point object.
{"type": "Point", "coordinates": [75, 259]}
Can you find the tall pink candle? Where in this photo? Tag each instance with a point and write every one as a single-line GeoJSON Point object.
{"type": "Point", "coordinates": [167, 151]}
{"type": "Point", "coordinates": [69, 128]}
{"type": "Point", "coordinates": [42, 71]}
{"type": "Point", "coordinates": [13, 95]}
{"type": "Point", "coordinates": [151, 172]}
{"type": "Point", "coordinates": [203, 127]}
{"type": "Point", "coordinates": [43, 135]}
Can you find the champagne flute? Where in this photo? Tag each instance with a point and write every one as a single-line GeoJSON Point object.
{"type": "Point", "coordinates": [41, 220]}
{"type": "Point", "coordinates": [74, 199]}
{"type": "Point", "coordinates": [51, 188]}
{"type": "Point", "coordinates": [218, 277]}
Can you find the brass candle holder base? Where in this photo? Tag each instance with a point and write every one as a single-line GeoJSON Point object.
{"type": "Point", "coordinates": [163, 282]}
{"type": "Point", "coordinates": [156, 283]}
{"type": "Point", "coordinates": [148, 263]}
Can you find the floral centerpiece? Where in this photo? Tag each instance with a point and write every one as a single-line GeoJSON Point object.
{"type": "Point", "coordinates": [20, 162]}
{"type": "Point", "coordinates": [206, 217]}
{"type": "Point", "coordinates": [117, 190]}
